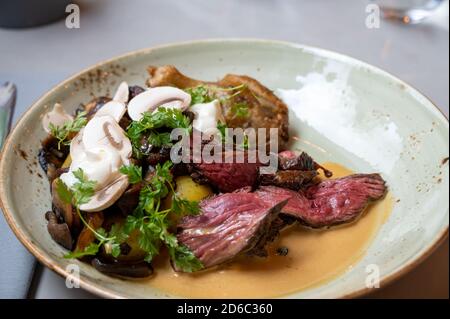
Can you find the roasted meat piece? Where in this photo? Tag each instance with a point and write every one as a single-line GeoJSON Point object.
{"type": "Point", "coordinates": [331, 202]}
{"type": "Point", "coordinates": [265, 109]}
{"type": "Point", "coordinates": [229, 225]}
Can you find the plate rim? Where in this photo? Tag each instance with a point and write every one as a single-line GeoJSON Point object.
{"type": "Point", "coordinates": [108, 293]}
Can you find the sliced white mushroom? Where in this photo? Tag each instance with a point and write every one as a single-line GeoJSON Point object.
{"type": "Point", "coordinates": [115, 109]}
{"type": "Point", "coordinates": [105, 131]}
{"type": "Point", "coordinates": [77, 148]}
{"type": "Point", "coordinates": [153, 98]}
{"type": "Point", "coordinates": [207, 116]}
{"type": "Point", "coordinates": [122, 93]}
{"type": "Point", "coordinates": [107, 196]}
{"type": "Point", "coordinates": [57, 116]}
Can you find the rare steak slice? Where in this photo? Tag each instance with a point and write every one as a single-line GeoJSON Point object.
{"type": "Point", "coordinates": [331, 202]}
{"type": "Point", "coordinates": [229, 225]}
{"type": "Point", "coordinates": [229, 175]}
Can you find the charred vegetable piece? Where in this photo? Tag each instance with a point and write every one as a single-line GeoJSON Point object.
{"type": "Point", "coordinates": [87, 237]}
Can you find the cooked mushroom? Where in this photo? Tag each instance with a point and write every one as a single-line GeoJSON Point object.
{"type": "Point", "coordinates": [64, 209]}
{"type": "Point", "coordinates": [59, 232]}
{"type": "Point", "coordinates": [104, 131]}
{"type": "Point", "coordinates": [106, 196]}
{"type": "Point", "coordinates": [122, 93]}
{"type": "Point", "coordinates": [153, 98]}
{"type": "Point", "coordinates": [123, 269]}
{"type": "Point", "coordinates": [57, 116]}
{"type": "Point", "coordinates": [115, 109]}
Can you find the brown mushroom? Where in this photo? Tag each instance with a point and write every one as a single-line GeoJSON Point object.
{"type": "Point", "coordinates": [60, 232]}
{"type": "Point", "coordinates": [64, 209]}
{"type": "Point", "coordinates": [123, 269]}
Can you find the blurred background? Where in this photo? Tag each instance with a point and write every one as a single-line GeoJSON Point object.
{"type": "Point", "coordinates": [39, 48]}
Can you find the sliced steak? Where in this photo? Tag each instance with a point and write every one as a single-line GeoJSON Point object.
{"type": "Point", "coordinates": [298, 171]}
{"type": "Point", "coordinates": [229, 225]}
{"type": "Point", "coordinates": [331, 202]}
{"type": "Point", "coordinates": [265, 109]}
{"type": "Point", "coordinates": [226, 176]}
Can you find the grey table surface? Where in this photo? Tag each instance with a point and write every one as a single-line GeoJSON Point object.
{"type": "Point", "coordinates": [39, 58]}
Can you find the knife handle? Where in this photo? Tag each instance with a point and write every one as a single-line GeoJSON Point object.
{"type": "Point", "coordinates": [8, 93]}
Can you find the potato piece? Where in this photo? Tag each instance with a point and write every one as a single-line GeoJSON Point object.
{"type": "Point", "coordinates": [67, 162]}
{"type": "Point", "coordinates": [190, 190]}
{"type": "Point", "coordinates": [136, 253]}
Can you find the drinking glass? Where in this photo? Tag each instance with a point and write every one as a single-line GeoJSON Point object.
{"type": "Point", "coordinates": [408, 11]}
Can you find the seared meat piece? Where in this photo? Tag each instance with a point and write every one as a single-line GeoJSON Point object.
{"type": "Point", "coordinates": [226, 177]}
{"type": "Point", "coordinates": [289, 160]}
{"type": "Point", "coordinates": [265, 110]}
{"type": "Point", "coordinates": [293, 179]}
{"type": "Point", "coordinates": [229, 225]}
{"type": "Point", "coordinates": [331, 202]}
{"type": "Point", "coordinates": [169, 75]}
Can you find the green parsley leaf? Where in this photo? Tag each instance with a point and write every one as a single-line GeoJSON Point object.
{"type": "Point", "coordinates": [183, 206]}
{"type": "Point", "coordinates": [153, 225]}
{"type": "Point", "coordinates": [64, 192]}
{"type": "Point", "coordinates": [240, 110]}
{"type": "Point", "coordinates": [91, 250]}
{"type": "Point", "coordinates": [83, 190]}
{"type": "Point", "coordinates": [62, 133]}
{"type": "Point", "coordinates": [133, 172]}
{"type": "Point", "coordinates": [199, 95]}
{"type": "Point", "coordinates": [151, 122]}
{"type": "Point", "coordinates": [222, 127]}
{"type": "Point", "coordinates": [184, 259]}
{"type": "Point", "coordinates": [245, 144]}
{"type": "Point", "coordinates": [159, 139]}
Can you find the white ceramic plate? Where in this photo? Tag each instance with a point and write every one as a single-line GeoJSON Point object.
{"type": "Point", "coordinates": [343, 109]}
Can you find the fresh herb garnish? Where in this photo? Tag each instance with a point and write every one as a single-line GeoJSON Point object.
{"type": "Point", "coordinates": [81, 193]}
{"type": "Point", "coordinates": [133, 172]}
{"type": "Point", "coordinates": [62, 133]}
{"type": "Point", "coordinates": [148, 127]}
{"type": "Point", "coordinates": [240, 110]}
{"type": "Point", "coordinates": [159, 139]}
{"type": "Point", "coordinates": [245, 143]}
{"type": "Point", "coordinates": [222, 127]}
{"type": "Point", "coordinates": [199, 95]}
{"type": "Point", "coordinates": [153, 224]}
{"type": "Point", "coordinates": [148, 219]}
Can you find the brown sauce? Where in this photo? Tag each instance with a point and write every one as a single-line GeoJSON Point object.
{"type": "Point", "coordinates": [314, 257]}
